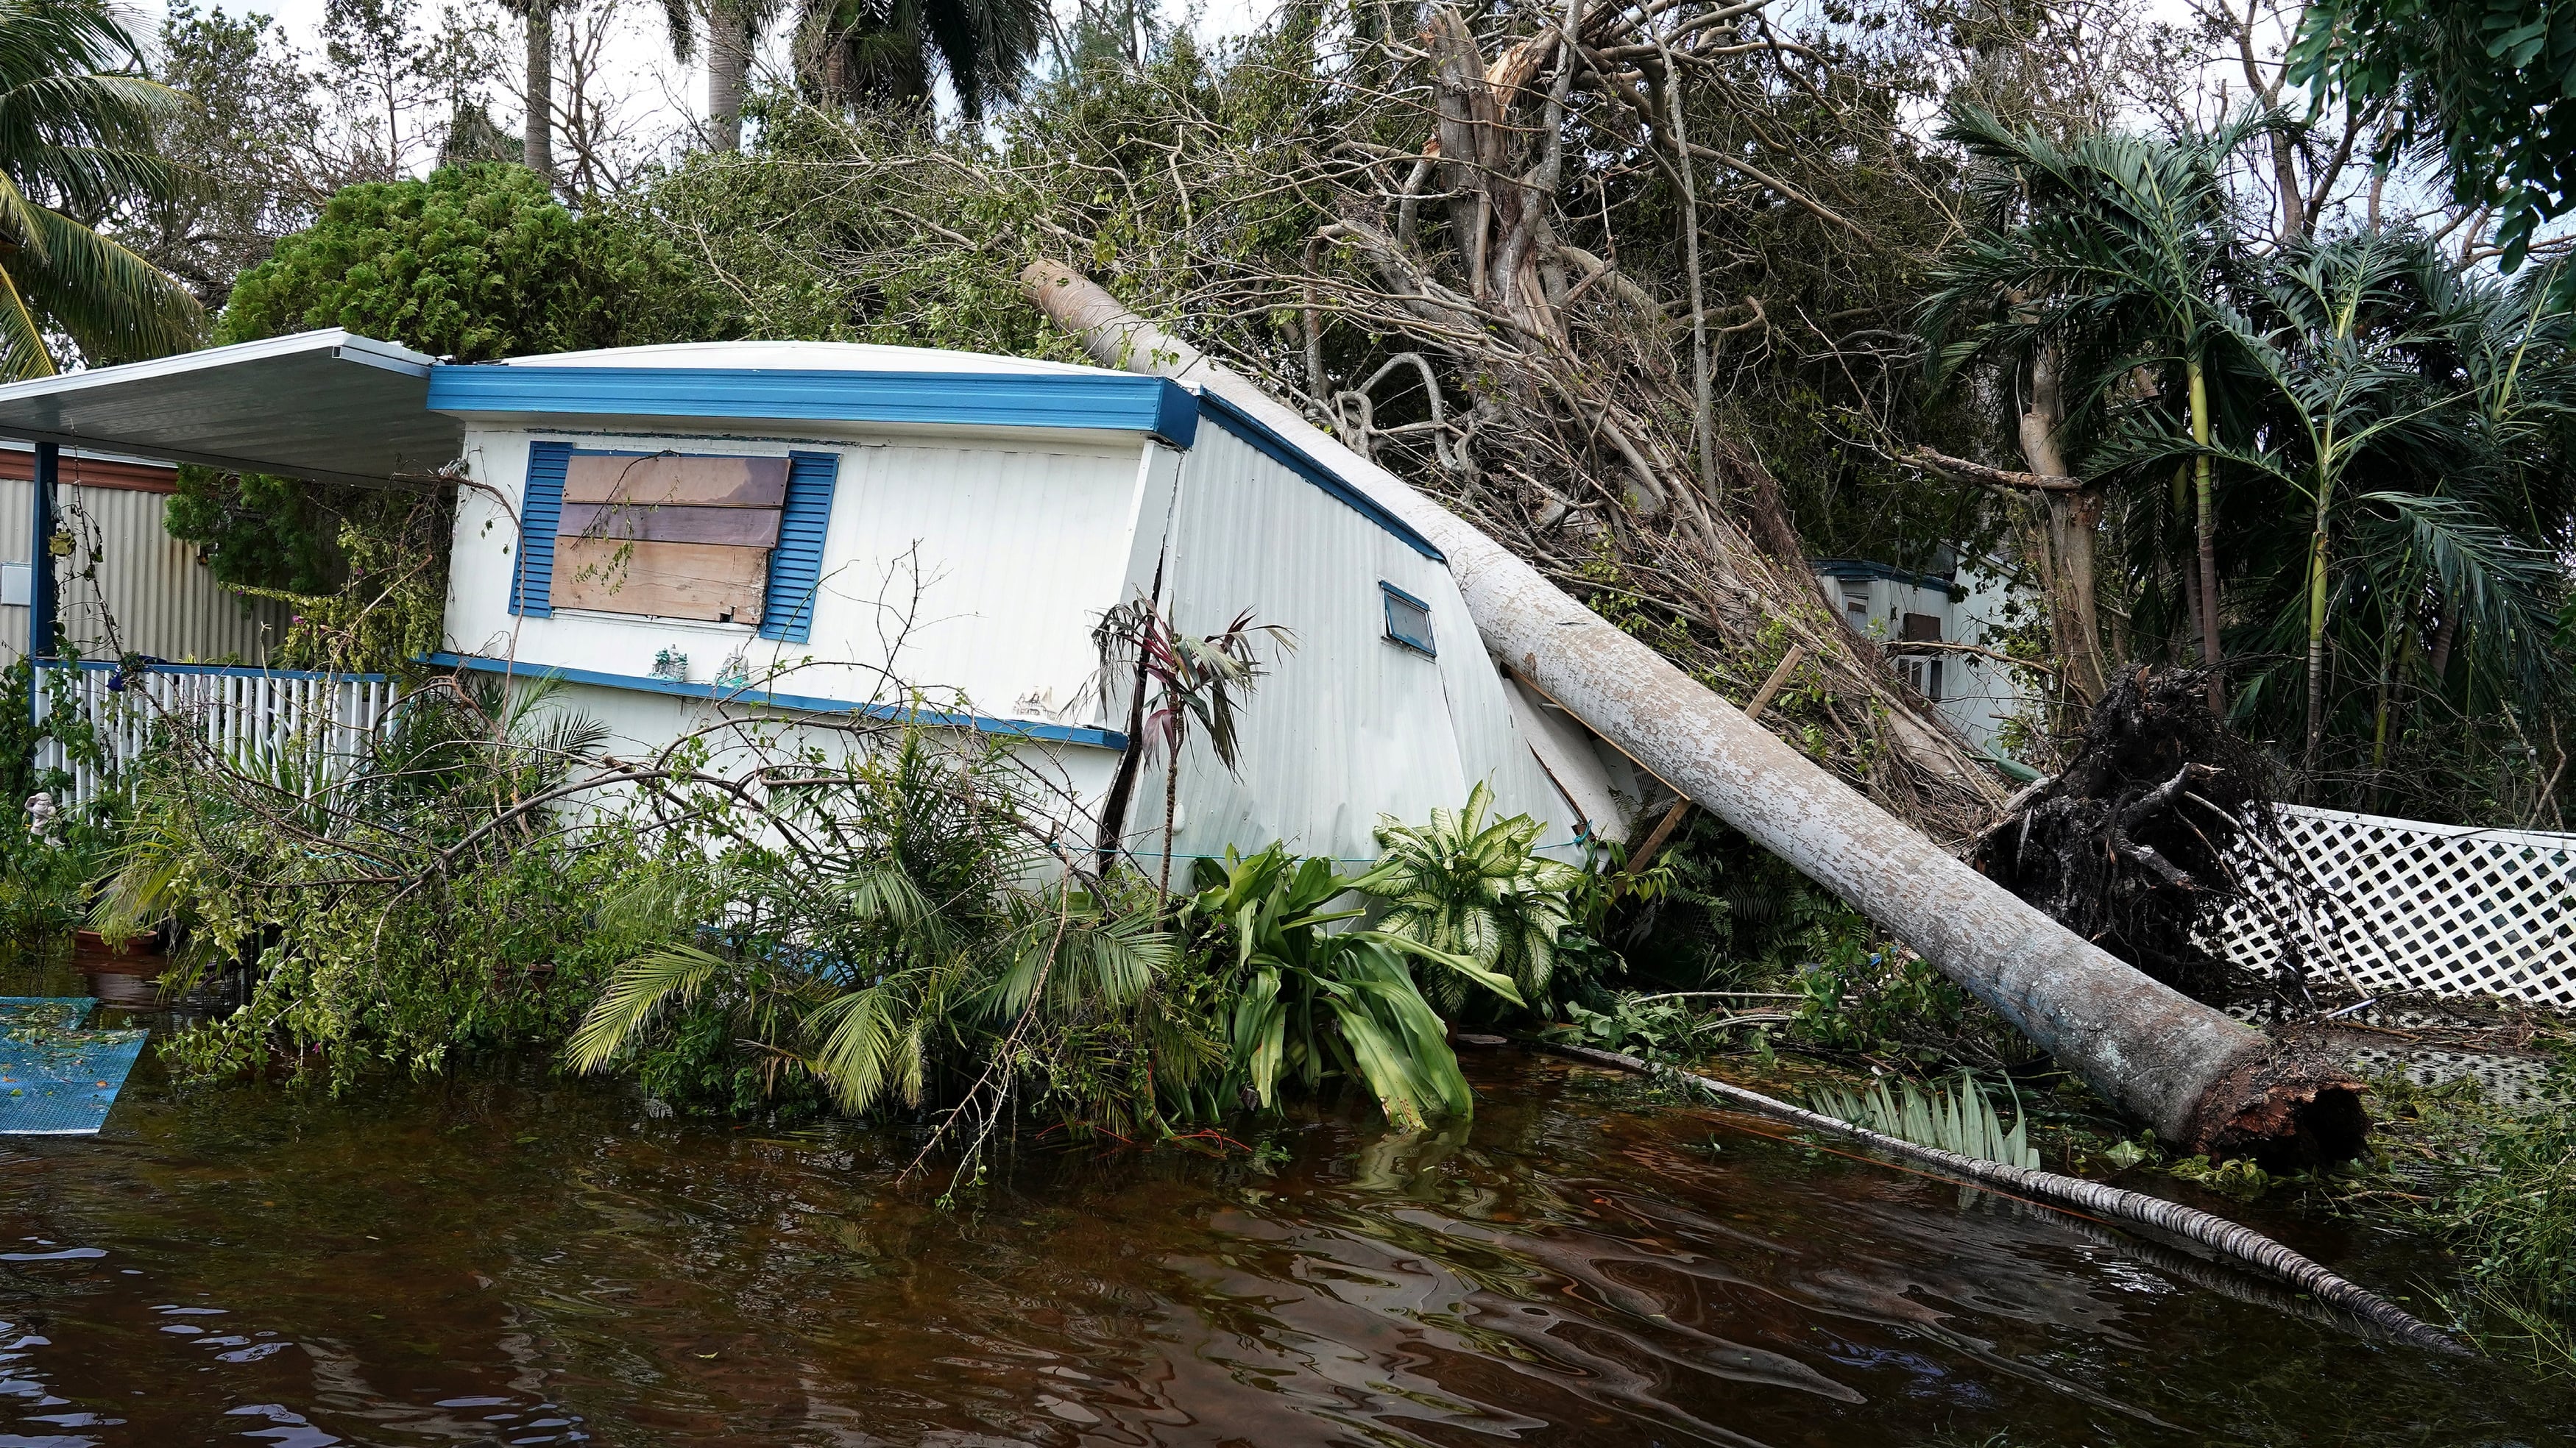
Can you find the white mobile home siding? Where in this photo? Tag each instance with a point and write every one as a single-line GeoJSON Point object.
{"type": "Point", "coordinates": [972, 562]}
{"type": "Point", "coordinates": [971, 571]}
{"type": "Point", "coordinates": [1350, 725]}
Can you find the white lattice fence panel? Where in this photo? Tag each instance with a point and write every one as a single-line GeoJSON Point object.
{"type": "Point", "coordinates": [2450, 909]}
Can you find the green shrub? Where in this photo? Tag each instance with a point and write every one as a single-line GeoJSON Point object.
{"type": "Point", "coordinates": [1461, 886]}
{"type": "Point", "coordinates": [2515, 1216]}
{"type": "Point", "coordinates": [402, 917]}
{"type": "Point", "coordinates": [884, 948]}
{"type": "Point", "coordinates": [1308, 1001]}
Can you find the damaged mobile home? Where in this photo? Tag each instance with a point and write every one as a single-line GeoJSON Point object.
{"type": "Point", "coordinates": [810, 530]}
{"type": "Point", "coordinates": [802, 529]}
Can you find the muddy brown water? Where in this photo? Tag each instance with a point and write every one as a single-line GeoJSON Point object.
{"type": "Point", "coordinates": [506, 1257]}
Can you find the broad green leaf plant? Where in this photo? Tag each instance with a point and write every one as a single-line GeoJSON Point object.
{"type": "Point", "coordinates": [1460, 886]}
{"type": "Point", "coordinates": [1311, 1000]}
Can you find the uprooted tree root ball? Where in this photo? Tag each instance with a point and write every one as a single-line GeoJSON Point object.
{"type": "Point", "coordinates": [2134, 844]}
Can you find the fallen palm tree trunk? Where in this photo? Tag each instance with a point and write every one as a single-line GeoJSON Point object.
{"type": "Point", "coordinates": [2201, 1080]}
{"type": "Point", "coordinates": [2237, 1243]}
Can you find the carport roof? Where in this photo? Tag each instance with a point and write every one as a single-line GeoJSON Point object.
{"type": "Point", "coordinates": [330, 406]}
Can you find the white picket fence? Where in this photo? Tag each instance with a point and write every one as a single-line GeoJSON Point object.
{"type": "Point", "coordinates": [2452, 910]}
{"type": "Point", "coordinates": [254, 718]}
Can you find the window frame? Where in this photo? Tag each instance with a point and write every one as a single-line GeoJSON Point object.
{"type": "Point", "coordinates": [1428, 646]}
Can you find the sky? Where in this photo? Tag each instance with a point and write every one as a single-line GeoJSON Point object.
{"type": "Point", "coordinates": [661, 101]}
{"type": "Point", "coordinates": [662, 95]}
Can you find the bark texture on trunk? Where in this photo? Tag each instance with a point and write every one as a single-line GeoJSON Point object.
{"type": "Point", "coordinates": [2205, 533]}
{"type": "Point", "coordinates": [2073, 518]}
{"type": "Point", "coordinates": [2200, 1079]}
{"type": "Point", "coordinates": [537, 140]}
{"type": "Point", "coordinates": [728, 61]}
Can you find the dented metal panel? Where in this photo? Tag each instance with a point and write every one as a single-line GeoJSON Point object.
{"type": "Point", "coordinates": [1352, 724]}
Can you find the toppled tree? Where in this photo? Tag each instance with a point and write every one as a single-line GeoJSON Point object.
{"type": "Point", "coordinates": [1470, 254]}
{"type": "Point", "coordinates": [2203, 1080]}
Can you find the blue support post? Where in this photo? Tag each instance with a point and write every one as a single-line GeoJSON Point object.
{"type": "Point", "coordinates": [40, 570]}
{"type": "Point", "coordinates": [40, 581]}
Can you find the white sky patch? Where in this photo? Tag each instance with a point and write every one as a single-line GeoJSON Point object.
{"type": "Point", "coordinates": [663, 98]}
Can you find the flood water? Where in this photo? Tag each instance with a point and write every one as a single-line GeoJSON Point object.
{"type": "Point", "coordinates": [508, 1258]}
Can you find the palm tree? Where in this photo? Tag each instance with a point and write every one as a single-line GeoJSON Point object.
{"type": "Point", "coordinates": [1196, 680]}
{"type": "Point", "coordinates": [2113, 254]}
{"type": "Point", "coordinates": [2391, 406]}
{"type": "Point", "coordinates": [2409, 401]}
{"type": "Point", "coordinates": [733, 31]}
{"type": "Point", "coordinates": [882, 50]}
{"type": "Point", "coordinates": [537, 143]}
{"type": "Point", "coordinates": [76, 126]}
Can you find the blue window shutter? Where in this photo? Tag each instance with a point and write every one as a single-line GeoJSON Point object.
{"type": "Point", "coordinates": [796, 568]}
{"type": "Point", "coordinates": [532, 580]}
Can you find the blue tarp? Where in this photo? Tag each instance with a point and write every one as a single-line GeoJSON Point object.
{"type": "Point", "coordinates": [55, 1078]}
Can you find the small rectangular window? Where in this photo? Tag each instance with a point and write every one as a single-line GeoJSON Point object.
{"type": "Point", "coordinates": [1408, 621]}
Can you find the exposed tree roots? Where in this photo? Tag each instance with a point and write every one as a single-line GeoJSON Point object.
{"type": "Point", "coordinates": [2135, 845]}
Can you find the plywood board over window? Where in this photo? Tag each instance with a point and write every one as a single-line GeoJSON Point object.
{"type": "Point", "coordinates": [668, 535]}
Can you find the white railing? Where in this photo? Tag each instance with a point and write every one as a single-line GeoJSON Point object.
{"type": "Point", "coordinates": [253, 718]}
{"type": "Point", "coordinates": [2452, 910]}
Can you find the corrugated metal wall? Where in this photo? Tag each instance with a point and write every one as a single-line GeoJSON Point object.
{"type": "Point", "coordinates": [1016, 552]}
{"type": "Point", "coordinates": [164, 602]}
{"type": "Point", "coordinates": [1350, 725]}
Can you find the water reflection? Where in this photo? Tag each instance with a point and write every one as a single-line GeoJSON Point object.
{"type": "Point", "coordinates": [516, 1260]}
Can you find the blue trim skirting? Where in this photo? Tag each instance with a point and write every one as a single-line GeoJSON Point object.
{"type": "Point", "coordinates": [1115, 402]}
{"type": "Point", "coordinates": [800, 703]}
{"type": "Point", "coordinates": [1280, 450]}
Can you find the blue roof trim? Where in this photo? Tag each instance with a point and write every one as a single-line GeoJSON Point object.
{"type": "Point", "coordinates": [1280, 450]}
{"type": "Point", "coordinates": [801, 703]}
{"type": "Point", "coordinates": [1103, 401]}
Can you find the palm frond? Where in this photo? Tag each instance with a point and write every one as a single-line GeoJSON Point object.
{"type": "Point", "coordinates": [113, 302]}
{"type": "Point", "coordinates": [636, 992]}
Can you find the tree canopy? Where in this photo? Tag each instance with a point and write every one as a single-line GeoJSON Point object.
{"type": "Point", "coordinates": [472, 263]}
{"type": "Point", "coordinates": [2489, 85]}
